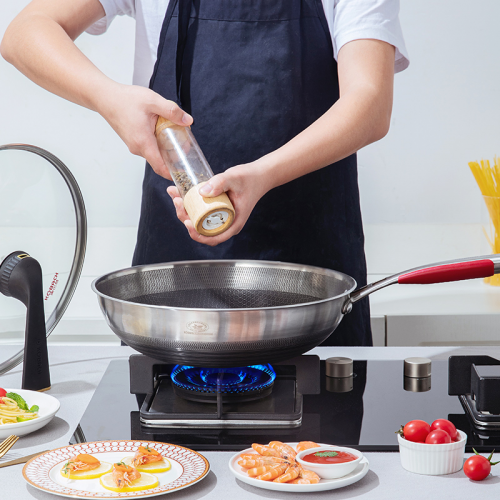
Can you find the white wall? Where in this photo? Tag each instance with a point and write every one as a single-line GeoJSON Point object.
{"type": "Point", "coordinates": [419, 199]}
{"type": "Point", "coordinates": [445, 114]}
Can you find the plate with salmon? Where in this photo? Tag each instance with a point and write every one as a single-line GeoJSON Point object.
{"type": "Point", "coordinates": [110, 469]}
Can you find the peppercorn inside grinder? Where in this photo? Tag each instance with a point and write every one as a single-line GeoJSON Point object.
{"type": "Point", "coordinates": [190, 170]}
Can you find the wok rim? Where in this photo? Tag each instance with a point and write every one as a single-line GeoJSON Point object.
{"type": "Point", "coordinates": [238, 263]}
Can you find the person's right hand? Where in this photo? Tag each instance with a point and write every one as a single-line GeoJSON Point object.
{"type": "Point", "coordinates": [132, 111]}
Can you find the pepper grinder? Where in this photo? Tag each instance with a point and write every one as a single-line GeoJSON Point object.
{"type": "Point", "coordinates": [190, 170]}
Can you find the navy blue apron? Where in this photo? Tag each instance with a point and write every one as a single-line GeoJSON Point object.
{"type": "Point", "coordinates": [254, 74]}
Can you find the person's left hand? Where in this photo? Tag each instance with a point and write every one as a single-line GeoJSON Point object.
{"type": "Point", "coordinates": [244, 184]}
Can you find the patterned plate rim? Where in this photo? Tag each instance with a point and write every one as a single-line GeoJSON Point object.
{"type": "Point", "coordinates": [75, 493]}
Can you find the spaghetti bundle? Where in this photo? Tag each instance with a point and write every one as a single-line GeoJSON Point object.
{"type": "Point", "coordinates": [488, 180]}
{"type": "Point", "coordinates": [10, 412]}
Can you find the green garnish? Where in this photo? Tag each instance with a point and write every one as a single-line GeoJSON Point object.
{"type": "Point", "coordinates": [121, 463]}
{"type": "Point", "coordinates": [18, 399]}
{"type": "Point", "coordinates": [324, 454]}
{"type": "Point", "coordinates": [25, 419]}
{"type": "Point", "coordinates": [66, 468]}
{"type": "Point", "coordinates": [34, 409]}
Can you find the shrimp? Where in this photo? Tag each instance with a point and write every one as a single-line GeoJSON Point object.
{"type": "Point", "coordinates": [260, 461]}
{"type": "Point", "coordinates": [123, 475]}
{"type": "Point", "coordinates": [284, 451]}
{"type": "Point", "coordinates": [306, 445]}
{"type": "Point", "coordinates": [80, 462]}
{"type": "Point", "coordinates": [259, 471]}
{"type": "Point", "coordinates": [146, 455]}
{"type": "Point", "coordinates": [265, 450]}
{"type": "Point", "coordinates": [250, 456]}
{"type": "Point", "coordinates": [290, 474]}
{"type": "Point", "coordinates": [306, 477]}
{"type": "Point", "coordinates": [274, 472]}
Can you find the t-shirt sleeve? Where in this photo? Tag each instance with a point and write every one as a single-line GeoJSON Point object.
{"type": "Point", "coordinates": [112, 8]}
{"type": "Point", "coordinates": [360, 19]}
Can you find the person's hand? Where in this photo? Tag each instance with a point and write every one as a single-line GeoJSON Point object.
{"type": "Point", "coordinates": [132, 111]}
{"type": "Point", "coordinates": [244, 184]}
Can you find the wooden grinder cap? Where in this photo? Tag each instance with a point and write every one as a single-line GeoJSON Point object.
{"type": "Point", "coordinates": [210, 216]}
{"type": "Point", "coordinates": [163, 123]}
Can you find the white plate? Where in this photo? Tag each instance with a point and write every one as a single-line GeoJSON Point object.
{"type": "Point", "coordinates": [44, 471]}
{"type": "Point", "coordinates": [323, 485]}
{"type": "Point", "coordinates": [48, 405]}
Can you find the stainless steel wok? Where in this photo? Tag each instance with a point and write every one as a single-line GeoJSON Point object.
{"type": "Point", "coordinates": [222, 313]}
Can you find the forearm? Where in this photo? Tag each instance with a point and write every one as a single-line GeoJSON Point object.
{"type": "Point", "coordinates": [351, 124]}
{"type": "Point", "coordinates": [361, 116]}
{"type": "Point", "coordinates": [39, 42]}
{"type": "Point", "coordinates": [41, 48]}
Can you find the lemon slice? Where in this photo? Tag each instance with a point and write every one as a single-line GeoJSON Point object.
{"type": "Point", "coordinates": [152, 467]}
{"type": "Point", "coordinates": [145, 482]}
{"type": "Point", "coordinates": [88, 474]}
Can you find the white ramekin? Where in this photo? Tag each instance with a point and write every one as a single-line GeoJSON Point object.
{"type": "Point", "coordinates": [432, 459]}
{"type": "Point", "coordinates": [330, 471]}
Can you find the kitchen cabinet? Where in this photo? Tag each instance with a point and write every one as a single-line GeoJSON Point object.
{"type": "Point", "coordinates": [451, 330]}
{"type": "Point", "coordinates": [379, 330]}
{"type": "Point", "coordinates": [462, 313]}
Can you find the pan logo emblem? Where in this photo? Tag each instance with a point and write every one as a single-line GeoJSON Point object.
{"type": "Point", "coordinates": [197, 328]}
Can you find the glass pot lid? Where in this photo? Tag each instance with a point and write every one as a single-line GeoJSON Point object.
{"type": "Point", "coordinates": [42, 213]}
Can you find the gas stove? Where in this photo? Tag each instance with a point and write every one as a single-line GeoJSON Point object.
{"type": "Point", "coordinates": [295, 400]}
{"type": "Point", "coordinates": [223, 398]}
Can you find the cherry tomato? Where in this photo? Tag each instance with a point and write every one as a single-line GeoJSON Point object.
{"type": "Point", "coordinates": [478, 467]}
{"type": "Point", "coordinates": [447, 426]}
{"type": "Point", "coordinates": [438, 437]}
{"type": "Point", "coordinates": [3, 392]}
{"type": "Point", "coordinates": [415, 430]}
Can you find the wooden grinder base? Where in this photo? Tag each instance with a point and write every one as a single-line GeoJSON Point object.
{"type": "Point", "coordinates": [199, 208]}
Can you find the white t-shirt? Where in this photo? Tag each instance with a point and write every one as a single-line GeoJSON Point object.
{"type": "Point", "coordinates": [348, 20]}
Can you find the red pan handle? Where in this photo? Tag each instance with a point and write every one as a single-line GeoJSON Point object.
{"type": "Point", "coordinates": [442, 272]}
{"type": "Point", "coordinates": [449, 272]}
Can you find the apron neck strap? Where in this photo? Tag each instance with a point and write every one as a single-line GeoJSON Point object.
{"type": "Point", "coordinates": [183, 25]}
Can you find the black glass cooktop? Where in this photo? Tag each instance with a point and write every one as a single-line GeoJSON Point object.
{"type": "Point", "coordinates": [366, 417]}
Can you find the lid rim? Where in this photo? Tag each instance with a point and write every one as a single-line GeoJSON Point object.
{"type": "Point", "coordinates": [80, 244]}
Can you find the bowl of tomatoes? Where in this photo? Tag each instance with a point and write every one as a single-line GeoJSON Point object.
{"type": "Point", "coordinates": [433, 449]}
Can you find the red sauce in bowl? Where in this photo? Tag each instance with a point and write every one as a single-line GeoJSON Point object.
{"type": "Point", "coordinates": [322, 457]}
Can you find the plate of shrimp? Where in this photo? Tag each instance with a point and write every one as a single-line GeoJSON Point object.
{"type": "Point", "coordinates": [106, 469]}
{"type": "Point", "coordinates": [273, 467]}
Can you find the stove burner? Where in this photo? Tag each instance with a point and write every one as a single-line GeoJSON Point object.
{"type": "Point", "coordinates": [234, 384]}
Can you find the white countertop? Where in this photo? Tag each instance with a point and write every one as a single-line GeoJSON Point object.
{"type": "Point", "coordinates": [76, 372]}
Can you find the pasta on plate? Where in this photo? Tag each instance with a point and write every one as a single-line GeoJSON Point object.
{"type": "Point", "coordinates": [11, 412]}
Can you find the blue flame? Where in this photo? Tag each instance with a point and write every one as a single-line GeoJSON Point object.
{"type": "Point", "coordinates": [225, 380]}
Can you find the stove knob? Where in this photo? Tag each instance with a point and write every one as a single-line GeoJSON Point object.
{"type": "Point", "coordinates": [417, 367]}
{"type": "Point", "coordinates": [339, 374]}
{"type": "Point", "coordinates": [417, 374]}
{"type": "Point", "coordinates": [338, 385]}
{"type": "Point", "coordinates": [412, 384]}
{"type": "Point", "coordinates": [339, 367]}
